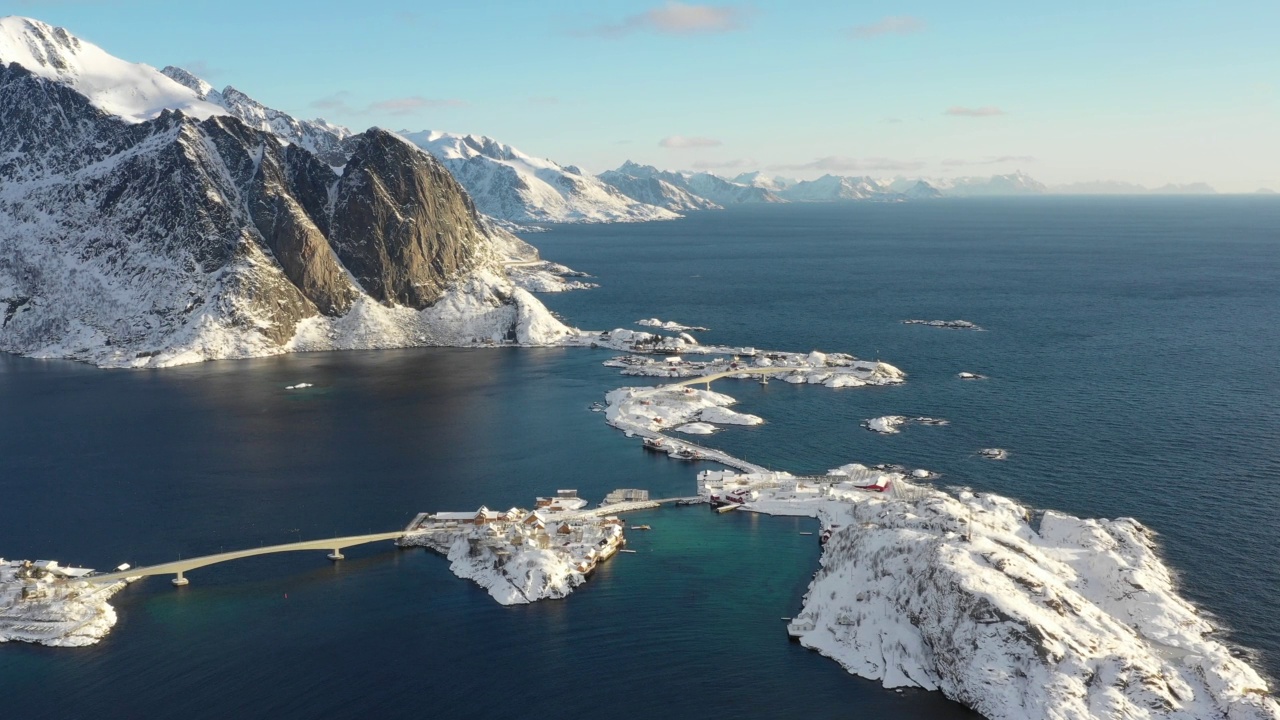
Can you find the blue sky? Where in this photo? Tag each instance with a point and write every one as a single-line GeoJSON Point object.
{"type": "Point", "coordinates": [1149, 92]}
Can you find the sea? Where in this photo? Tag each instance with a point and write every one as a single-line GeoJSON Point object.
{"type": "Point", "coordinates": [1132, 354]}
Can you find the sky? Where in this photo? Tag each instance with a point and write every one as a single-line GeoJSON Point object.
{"type": "Point", "coordinates": [1173, 91]}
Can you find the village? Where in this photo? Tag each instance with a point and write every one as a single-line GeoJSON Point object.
{"type": "Point", "coordinates": [523, 555]}
{"type": "Point", "coordinates": [43, 602]}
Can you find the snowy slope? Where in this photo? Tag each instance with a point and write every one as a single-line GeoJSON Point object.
{"type": "Point", "coordinates": [833, 188]}
{"type": "Point", "coordinates": [647, 184]}
{"type": "Point", "coordinates": [127, 241]}
{"type": "Point", "coordinates": [1018, 183]}
{"type": "Point", "coordinates": [322, 138]}
{"type": "Point", "coordinates": [511, 185]}
{"type": "Point", "coordinates": [682, 190]}
{"type": "Point", "coordinates": [1015, 614]}
{"type": "Point", "coordinates": [131, 91]}
{"type": "Point", "coordinates": [759, 179]}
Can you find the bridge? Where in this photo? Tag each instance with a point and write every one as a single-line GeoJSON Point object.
{"type": "Point", "coordinates": [179, 568]}
{"type": "Point", "coordinates": [761, 371]}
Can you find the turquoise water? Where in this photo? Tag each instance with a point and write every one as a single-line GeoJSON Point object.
{"type": "Point", "coordinates": [1131, 347]}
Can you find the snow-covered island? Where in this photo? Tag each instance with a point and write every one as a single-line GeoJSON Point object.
{"type": "Point", "coordinates": [951, 324]}
{"type": "Point", "coordinates": [892, 424]}
{"type": "Point", "coordinates": [670, 325]}
{"type": "Point", "coordinates": [1014, 612]}
{"type": "Point", "coordinates": [521, 556]}
{"type": "Point", "coordinates": [45, 603]}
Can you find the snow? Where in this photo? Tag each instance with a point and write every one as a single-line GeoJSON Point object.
{"type": "Point", "coordinates": [949, 324]}
{"type": "Point", "coordinates": [132, 91]}
{"type": "Point", "coordinates": [522, 556]}
{"type": "Point", "coordinates": [512, 185]}
{"type": "Point", "coordinates": [724, 416]}
{"type": "Point", "coordinates": [670, 325]}
{"type": "Point", "coordinates": [697, 428]}
{"type": "Point", "coordinates": [1079, 619]}
{"type": "Point", "coordinates": [1013, 613]}
{"type": "Point", "coordinates": [40, 607]}
{"type": "Point", "coordinates": [887, 425]}
{"type": "Point", "coordinates": [892, 424]}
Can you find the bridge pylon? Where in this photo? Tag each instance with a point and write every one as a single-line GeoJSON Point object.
{"type": "Point", "coordinates": [180, 580]}
{"type": "Point", "coordinates": [336, 555]}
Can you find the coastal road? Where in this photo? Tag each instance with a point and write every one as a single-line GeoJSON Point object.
{"type": "Point", "coordinates": [178, 567]}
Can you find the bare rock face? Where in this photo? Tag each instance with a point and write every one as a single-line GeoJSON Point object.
{"type": "Point", "coordinates": [400, 222]}
{"type": "Point", "coordinates": [194, 239]}
{"type": "Point", "coordinates": [273, 192]}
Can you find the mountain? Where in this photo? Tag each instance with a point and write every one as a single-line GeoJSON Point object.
{"type": "Point", "coordinates": [996, 185]}
{"type": "Point", "coordinates": [1188, 189]}
{"type": "Point", "coordinates": [511, 185]}
{"type": "Point", "coordinates": [1100, 187]}
{"type": "Point", "coordinates": [723, 192]}
{"type": "Point", "coordinates": [1015, 184]}
{"type": "Point", "coordinates": [833, 188]}
{"type": "Point", "coordinates": [144, 224]}
{"type": "Point", "coordinates": [766, 182]}
{"type": "Point", "coordinates": [682, 190]}
{"type": "Point", "coordinates": [648, 184]}
{"type": "Point", "coordinates": [921, 190]}
{"type": "Point", "coordinates": [324, 140]}
{"type": "Point", "coordinates": [1264, 191]}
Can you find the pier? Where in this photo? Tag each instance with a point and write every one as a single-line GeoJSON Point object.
{"type": "Point", "coordinates": [179, 568]}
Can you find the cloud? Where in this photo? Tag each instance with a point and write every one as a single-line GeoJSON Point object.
{"type": "Point", "coordinates": [896, 25]}
{"type": "Point", "coordinates": [336, 102]}
{"type": "Point", "coordinates": [986, 111]}
{"type": "Point", "coordinates": [677, 18]}
{"type": "Point", "coordinates": [679, 142]}
{"type": "Point", "coordinates": [990, 161]}
{"type": "Point", "coordinates": [339, 103]}
{"type": "Point", "coordinates": [834, 163]}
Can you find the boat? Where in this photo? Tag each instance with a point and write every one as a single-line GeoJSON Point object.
{"type": "Point", "coordinates": [806, 533]}
{"type": "Point", "coordinates": [654, 444]}
{"type": "Point", "coordinates": [641, 527]}
{"type": "Point", "coordinates": [628, 551]}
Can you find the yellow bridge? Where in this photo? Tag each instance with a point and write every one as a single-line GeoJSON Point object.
{"type": "Point", "coordinates": [179, 568]}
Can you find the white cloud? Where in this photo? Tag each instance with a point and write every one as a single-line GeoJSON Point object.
{"type": "Point", "coordinates": [677, 18]}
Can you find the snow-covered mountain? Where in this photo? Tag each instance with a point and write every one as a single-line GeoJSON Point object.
{"type": "Point", "coordinates": [921, 190]}
{"type": "Point", "coordinates": [142, 222]}
{"type": "Point", "coordinates": [647, 183]}
{"type": "Point", "coordinates": [766, 182]}
{"type": "Point", "coordinates": [1018, 183]}
{"type": "Point", "coordinates": [511, 185]}
{"type": "Point", "coordinates": [725, 192]}
{"type": "Point", "coordinates": [323, 139]}
{"type": "Point", "coordinates": [834, 188]}
{"type": "Point", "coordinates": [686, 190]}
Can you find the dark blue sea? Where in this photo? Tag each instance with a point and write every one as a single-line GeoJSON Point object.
{"type": "Point", "coordinates": [1133, 354]}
